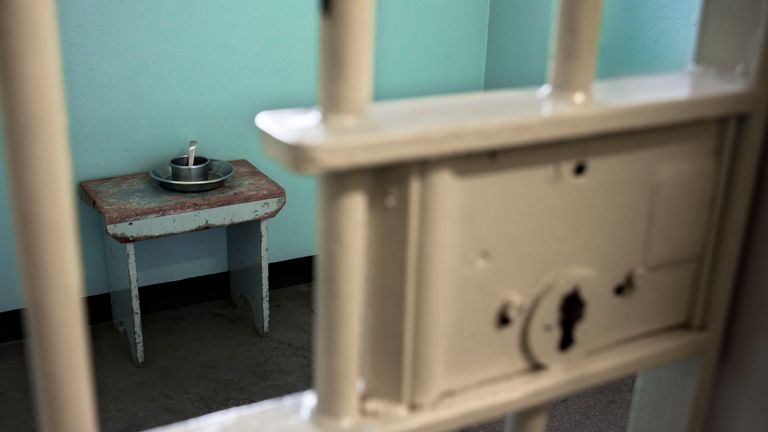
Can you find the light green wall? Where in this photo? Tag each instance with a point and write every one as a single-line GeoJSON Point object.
{"type": "Point", "coordinates": [143, 77]}
{"type": "Point", "coordinates": [518, 42]}
{"type": "Point", "coordinates": [636, 37]}
{"type": "Point", "coordinates": [9, 284]}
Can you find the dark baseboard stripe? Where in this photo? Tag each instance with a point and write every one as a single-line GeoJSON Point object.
{"type": "Point", "coordinates": [10, 326]}
{"type": "Point", "coordinates": [173, 295]}
{"type": "Point", "coordinates": [297, 271]}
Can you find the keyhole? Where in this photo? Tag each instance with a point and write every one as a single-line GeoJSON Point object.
{"type": "Point", "coordinates": [571, 313]}
{"type": "Point", "coordinates": [626, 286]}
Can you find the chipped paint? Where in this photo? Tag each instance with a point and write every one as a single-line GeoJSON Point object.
{"type": "Point", "coordinates": [124, 294]}
{"type": "Point", "coordinates": [137, 332]}
{"type": "Point", "coordinates": [248, 264]}
{"type": "Point", "coordinates": [264, 277]}
{"type": "Point", "coordinates": [194, 221]}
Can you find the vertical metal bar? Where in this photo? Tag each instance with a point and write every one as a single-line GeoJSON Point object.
{"type": "Point", "coordinates": [341, 264]}
{"type": "Point", "coordinates": [732, 38]}
{"type": "Point", "coordinates": [436, 250]}
{"type": "Point", "coordinates": [40, 174]}
{"type": "Point", "coordinates": [729, 140]}
{"type": "Point", "coordinates": [346, 89]}
{"type": "Point", "coordinates": [745, 166]}
{"type": "Point", "coordinates": [346, 59]}
{"type": "Point", "coordinates": [574, 56]}
{"type": "Point", "coordinates": [662, 397]}
{"type": "Point", "coordinates": [532, 420]}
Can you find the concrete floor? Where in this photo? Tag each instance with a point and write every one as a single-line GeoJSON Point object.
{"type": "Point", "coordinates": [207, 357]}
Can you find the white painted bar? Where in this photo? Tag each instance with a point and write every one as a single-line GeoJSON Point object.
{"type": "Point", "coordinates": [530, 420]}
{"type": "Point", "coordinates": [731, 37]}
{"type": "Point", "coordinates": [439, 126]}
{"type": "Point", "coordinates": [43, 192]}
{"type": "Point", "coordinates": [431, 279]}
{"type": "Point", "coordinates": [675, 385]}
{"type": "Point", "coordinates": [341, 267]}
{"type": "Point", "coordinates": [732, 40]}
{"type": "Point", "coordinates": [574, 56]}
{"type": "Point", "coordinates": [345, 91]}
{"type": "Point", "coordinates": [346, 59]}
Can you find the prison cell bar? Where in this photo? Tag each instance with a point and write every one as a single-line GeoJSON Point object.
{"type": "Point", "coordinates": [346, 89]}
{"type": "Point", "coordinates": [570, 75]}
{"type": "Point", "coordinates": [530, 420]}
{"type": "Point", "coordinates": [40, 174]}
{"type": "Point", "coordinates": [732, 39]}
{"type": "Point", "coordinates": [574, 56]}
{"type": "Point", "coordinates": [346, 59]}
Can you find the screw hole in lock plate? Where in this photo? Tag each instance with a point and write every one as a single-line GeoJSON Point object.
{"type": "Point", "coordinates": [626, 286]}
{"type": "Point", "coordinates": [504, 318]}
{"type": "Point", "coordinates": [579, 168]}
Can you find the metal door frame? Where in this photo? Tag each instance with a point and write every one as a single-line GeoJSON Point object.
{"type": "Point", "coordinates": [342, 141]}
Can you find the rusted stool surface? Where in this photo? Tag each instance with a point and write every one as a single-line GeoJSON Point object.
{"type": "Point", "coordinates": [135, 208]}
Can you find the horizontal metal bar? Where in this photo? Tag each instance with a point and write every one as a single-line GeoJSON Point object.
{"type": "Point", "coordinates": [481, 403]}
{"type": "Point", "coordinates": [413, 129]}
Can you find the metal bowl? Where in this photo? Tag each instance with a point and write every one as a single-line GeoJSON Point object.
{"type": "Point", "coordinates": [217, 175]}
{"type": "Point", "coordinates": [181, 171]}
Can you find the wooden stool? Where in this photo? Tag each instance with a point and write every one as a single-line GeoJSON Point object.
{"type": "Point", "coordinates": [135, 208]}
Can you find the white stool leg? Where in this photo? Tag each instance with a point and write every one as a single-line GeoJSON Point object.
{"type": "Point", "coordinates": [248, 269]}
{"type": "Point", "coordinates": [124, 294]}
